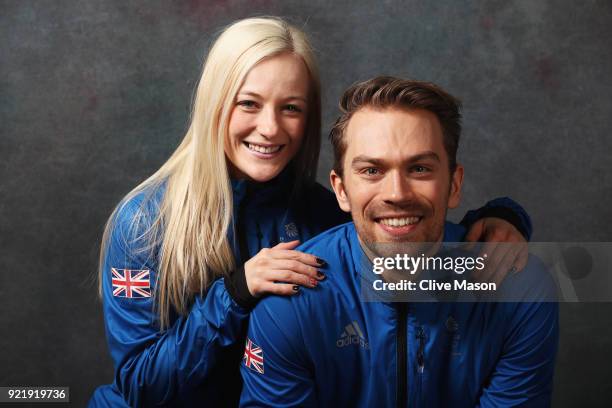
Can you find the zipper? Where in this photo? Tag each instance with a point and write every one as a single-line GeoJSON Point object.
{"type": "Point", "coordinates": [402, 361]}
{"type": "Point", "coordinates": [420, 335]}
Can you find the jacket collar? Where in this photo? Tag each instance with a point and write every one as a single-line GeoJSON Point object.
{"type": "Point", "coordinates": [362, 265]}
{"type": "Point", "coordinates": [251, 193]}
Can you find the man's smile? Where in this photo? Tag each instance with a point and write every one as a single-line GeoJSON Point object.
{"type": "Point", "coordinates": [398, 225]}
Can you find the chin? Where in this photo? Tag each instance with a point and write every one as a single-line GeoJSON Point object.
{"type": "Point", "coordinates": [262, 176]}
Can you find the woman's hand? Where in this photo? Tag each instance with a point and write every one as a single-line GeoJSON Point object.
{"type": "Point", "coordinates": [284, 265]}
{"type": "Point", "coordinates": [505, 246]}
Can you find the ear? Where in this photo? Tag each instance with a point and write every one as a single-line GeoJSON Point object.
{"type": "Point", "coordinates": [338, 186]}
{"type": "Point", "coordinates": [455, 189]}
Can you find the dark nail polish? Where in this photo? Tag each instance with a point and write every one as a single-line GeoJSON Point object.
{"type": "Point", "coordinates": [314, 282]}
{"type": "Point", "coordinates": [320, 274]}
{"type": "Point", "coordinates": [321, 262]}
{"type": "Point", "coordinates": [296, 288]}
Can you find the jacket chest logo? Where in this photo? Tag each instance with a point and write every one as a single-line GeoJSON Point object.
{"type": "Point", "coordinates": [291, 230]}
{"type": "Point", "coordinates": [352, 335]}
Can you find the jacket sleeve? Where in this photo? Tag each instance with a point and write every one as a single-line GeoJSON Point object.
{"type": "Point", "coordinates": [523, 375]}
{"type": "Point", "coordinates": [275, 369]}
{"type": "Point", "coordinates": [153, 366]}
{"type": "Point", "coordinates": [504, 208]}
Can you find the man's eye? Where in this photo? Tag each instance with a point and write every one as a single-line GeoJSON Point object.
{"type": "Point", "coordinates": [371, 171]}
{"type": "Point", "coordinates": [419, 169]}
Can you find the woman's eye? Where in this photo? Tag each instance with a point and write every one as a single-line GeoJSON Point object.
{"type": "Point", "coordinates": [247, 104]}
{"type": "Point", "coordinates": [293, 108]}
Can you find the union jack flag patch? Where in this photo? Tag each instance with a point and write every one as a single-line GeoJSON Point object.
{"type": "Point", "coordinates": [253, 357]}
{"type": "Point", "coordinates": [131, 284]}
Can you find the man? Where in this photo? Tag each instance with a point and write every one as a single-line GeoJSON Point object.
{"type": "Point", "coordinates": [396, 173]}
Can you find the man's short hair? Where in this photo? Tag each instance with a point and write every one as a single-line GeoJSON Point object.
{"type": "Point", "coordinates": [384, 92]}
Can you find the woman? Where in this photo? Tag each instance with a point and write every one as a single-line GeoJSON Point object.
{"type": "Point", "coordinates": [237, 195]}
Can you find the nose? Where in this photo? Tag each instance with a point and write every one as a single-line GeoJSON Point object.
{"type": "Point", "coordinates": [267, 122]}
{"type": "Point", "coordinates": [396, 188]}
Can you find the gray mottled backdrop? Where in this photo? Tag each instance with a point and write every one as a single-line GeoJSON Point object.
{"type": "Point", "coordinates": [94, 96]}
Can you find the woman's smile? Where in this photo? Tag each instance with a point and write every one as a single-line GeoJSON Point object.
{"type": "Point", "coordinates": [264, 151]}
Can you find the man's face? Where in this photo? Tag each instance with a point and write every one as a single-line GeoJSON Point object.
{"type": "Point", "coordinates": [396, 182]}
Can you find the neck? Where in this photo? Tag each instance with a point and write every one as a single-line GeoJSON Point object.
{"type": "Point", "coordinates": [400, 249]}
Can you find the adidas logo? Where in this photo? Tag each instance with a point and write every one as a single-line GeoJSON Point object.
{"type": "Point", "coordinates": [352, 334]}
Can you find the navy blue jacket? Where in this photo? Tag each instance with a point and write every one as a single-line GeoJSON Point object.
{"type": "Point", "coordinates": [196, 360]}
{"type": "Point", "coordinates": [326, 347]}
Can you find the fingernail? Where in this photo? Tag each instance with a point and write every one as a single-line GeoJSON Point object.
{"type": "Point", "coordinates": [320, 275]}
{"type": "Point", "coordinates": [314, 282]}
{"type": "Point", "coordinates": [321, 262]}
{"type": "Point", "coordinates": [296, 288]}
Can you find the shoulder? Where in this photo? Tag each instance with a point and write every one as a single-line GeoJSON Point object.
{"type": "Point", "coordinates": [534, 283]}
{"type": "Point", "coordinates": [530, 299]}
{"type": "Point", "coordinates": [137, 212]}
{"type": "Point", "coordinates": [334, 246]}
{"type": "Point", "coordinates": [142, 205]}
{"type": "Point", "coordinates": [133, 233]}
{"type": "Point", "coordinates": [334, 242]}
{"type": "Point", "coordinates": [340, 250]}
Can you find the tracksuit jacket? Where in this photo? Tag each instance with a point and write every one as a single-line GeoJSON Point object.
{"type": "Point", "coordinates": [325, 347]}
{"type": "Point", "coordinates": [195, 361]}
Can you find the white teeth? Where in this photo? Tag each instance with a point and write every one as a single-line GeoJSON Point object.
{"type": "Point", "coordinates": [263, 149]}
{"type": "Point", "coordinates": [399, 222]}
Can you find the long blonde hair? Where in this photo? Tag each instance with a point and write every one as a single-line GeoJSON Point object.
{"type": "Point", "coordinates": [195, 214]}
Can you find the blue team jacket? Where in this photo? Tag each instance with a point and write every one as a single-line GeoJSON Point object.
{"type": "Point", "coordinates": [325, 347]}
{"type": "Point", "coordinates": [195, 362]}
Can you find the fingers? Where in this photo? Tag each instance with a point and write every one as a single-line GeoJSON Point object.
{"type": "Point", "coordinates": [502, 258]}
{"type": "Point", "coordinates": [508, 255]}
{"type": "Point", "coordinates": [287, 245]}
{"type": "Point", "coordinates": [522, 258]}
{"type": "Point", "coordinates": [505, 248]}
{"type": "Point", "coordinates": [298, 267]}
{"type": "Point", "coordinates": [282, 264]}
{"type": "Point", "coordinates": [488, 253]}
{"type": "Point", "coordinates": [302, 257]}
{"type": "Point", "coordinates": [474, 234]}
{"type": "Point", "coordinates": [284, 250]}
{"type": "Point", "coordinates": [289, 276]}
{"type": "Point", "coordinates": [280, 282]}
{"type": "Point", "coordinates": [283, 289]}
{"type": "Point", "coordinates": [291, 261]}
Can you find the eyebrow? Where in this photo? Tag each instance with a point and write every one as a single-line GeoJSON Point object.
{"type": "Point", "coordinates": [362, 159]}
{"type": "Point", "coordinates": [256, 95]}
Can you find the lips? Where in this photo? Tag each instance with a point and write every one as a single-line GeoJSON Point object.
{"type": "Point", "coordinates": [399, 221]}
{"type": "Point", "coordinates": [263, 149]}
{"type": "Point", "coordinates": [398, 226]}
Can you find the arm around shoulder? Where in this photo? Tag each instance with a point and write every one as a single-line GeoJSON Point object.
{"type": "Point", "coordinates": [504, 208]}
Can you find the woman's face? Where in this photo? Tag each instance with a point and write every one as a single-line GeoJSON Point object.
{"type": "Point", "coordinates": [268, 119]}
